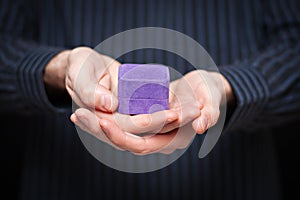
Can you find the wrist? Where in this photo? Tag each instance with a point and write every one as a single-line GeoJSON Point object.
{"type": "Point", "coordinates": [55, 71]}
{"type": "Point", "coordinates": [228, 92]}
{"type": "Point", "coordinates": [228, 89]}
{"type": "Point", "coordinates": [219, 82]}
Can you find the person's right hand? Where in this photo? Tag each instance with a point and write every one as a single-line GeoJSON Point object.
{"type": "Point", "coordinates": [91, 80]}
{"type": "Point", "coordinates": [87, 75]}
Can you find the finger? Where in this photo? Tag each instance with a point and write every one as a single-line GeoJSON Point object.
{"type": "Point", "coordinates": [208, 118]}
{"type": "Point", "coordinates": [184, 137]}
{"type": "Point", "coordinates": [94, 94]}
{"type": "Point", "coordinates": [109, 82]}
{"type": "Point", "coordinates": [186, 113]}
{"type": "Point", "coordinates": [169, 149]}
{"type": "Point", "coordinates": [146, 123]}
{"type": "Point", "coordinates": [133, 143]}
{"type": "Point", "coordinates": [93, 84]}
{"type": "Point", "coordinates": [143, 123]}
{"type": "Point", "coordinates": [105, 100]}
{"type": "Point", "coordinates": [88, 122]}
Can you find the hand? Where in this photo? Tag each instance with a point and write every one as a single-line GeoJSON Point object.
{"type": "Point", "coordinates": [101, 124]}
{"type": "Point", "coordinates": [196, 98]}
{"type": "Point", "coordinates": [87, 76]}
{"type": "Point", "coordinates": [91, 79]}
{"type": "Point", "coordinates": [203, 91]}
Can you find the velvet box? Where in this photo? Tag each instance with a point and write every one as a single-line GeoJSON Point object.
{"type": "Point", "coordinates": [143, 88]}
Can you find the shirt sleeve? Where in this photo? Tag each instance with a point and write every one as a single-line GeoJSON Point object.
{"type": "Point", "coordinates": [22, 62]}
{"type": "Point", "coordinates": [267, 86]}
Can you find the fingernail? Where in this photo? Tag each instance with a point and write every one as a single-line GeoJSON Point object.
{"type": "Point", "coordinates": [105, 101]}
{"type": "Point", "coordinates": [73, 117]}
{"type": "Point", "coordinates": [102, 100]}
{"type": "Point", "coordinates": [103, 125]}
{"type": "Point", "coordinates": [169, 119]}
{"type": "Point", "coordinates": [198, 124]}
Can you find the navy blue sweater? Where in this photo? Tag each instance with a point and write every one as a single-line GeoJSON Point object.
{"type": "Point", "coordinates": [255, 44]}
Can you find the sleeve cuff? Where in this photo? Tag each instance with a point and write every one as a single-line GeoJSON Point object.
{"type": "Point", "coordinates": [251, 94]}
{"type": "Point", "coordinates": [30, 79]}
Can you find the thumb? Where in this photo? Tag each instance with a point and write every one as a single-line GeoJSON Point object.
{"type": "Point", "coordinates": [93, 85]}
{"type": "Point", "coordinates": [105, 100]}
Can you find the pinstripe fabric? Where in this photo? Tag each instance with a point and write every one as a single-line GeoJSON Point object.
{"type": "Point", "coordinates": [255, 44]}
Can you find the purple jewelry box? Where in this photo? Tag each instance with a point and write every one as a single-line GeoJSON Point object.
{"type": "Point", "coordinates": [143, 88]}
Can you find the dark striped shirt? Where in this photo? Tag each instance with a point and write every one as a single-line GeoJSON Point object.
{"type": "Point", "coordinates": [254, 43]}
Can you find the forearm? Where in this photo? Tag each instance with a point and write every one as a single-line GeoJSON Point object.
{"type": "Point", "coordinates": [266, 87]}
{"type": "Point", "coordinates": [21, 68]}
{"type": "Point", "coordinates": [228, 96]}
{"type": "Point", "coordinates": [54, 76]}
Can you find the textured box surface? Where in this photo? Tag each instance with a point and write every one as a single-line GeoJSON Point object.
{"type": "Point", "coordinates": [143, 88]}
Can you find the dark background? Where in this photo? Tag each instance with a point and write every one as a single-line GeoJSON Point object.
{"type": "Point", "coordinates": [286, 142]}
{"type": "Point", "coordinates": [287, 146]}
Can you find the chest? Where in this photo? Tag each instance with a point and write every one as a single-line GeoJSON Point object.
{"type": "Point", "coordinates": [228, 29]}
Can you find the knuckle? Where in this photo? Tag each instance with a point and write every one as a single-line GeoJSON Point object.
{"type": "Point", "coordinates": [141, 151]}
{"type": "Point", "coordinates": [201, 126]}
{"type": "Point", "coordinates": [72, 72]}
{"type": "Point", "coordinates": [79, 50]}
{"type": "Point", "coordinates": [138, 147]}
{"type": "Point", "coordinates": [191, 113]}
{"type": "Point", "coordinates": [85, 96]}
{"type": "Point", "coordinates": [117, 142]}
{"type": "Point", "coordinates": [144, 121]}
{"type": "Point", "coordinates": [167, 151]}
{"type": "Point", "coordinates": [209, 113]}
{"type": "Point", "coordinates": [213, 117]}
{"type": "Point", "coordinates": [142, 147]}
{"type": "Point", "coordinates": [95, 130]}
{"type": "Point", "coordinates": [210, 108]}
